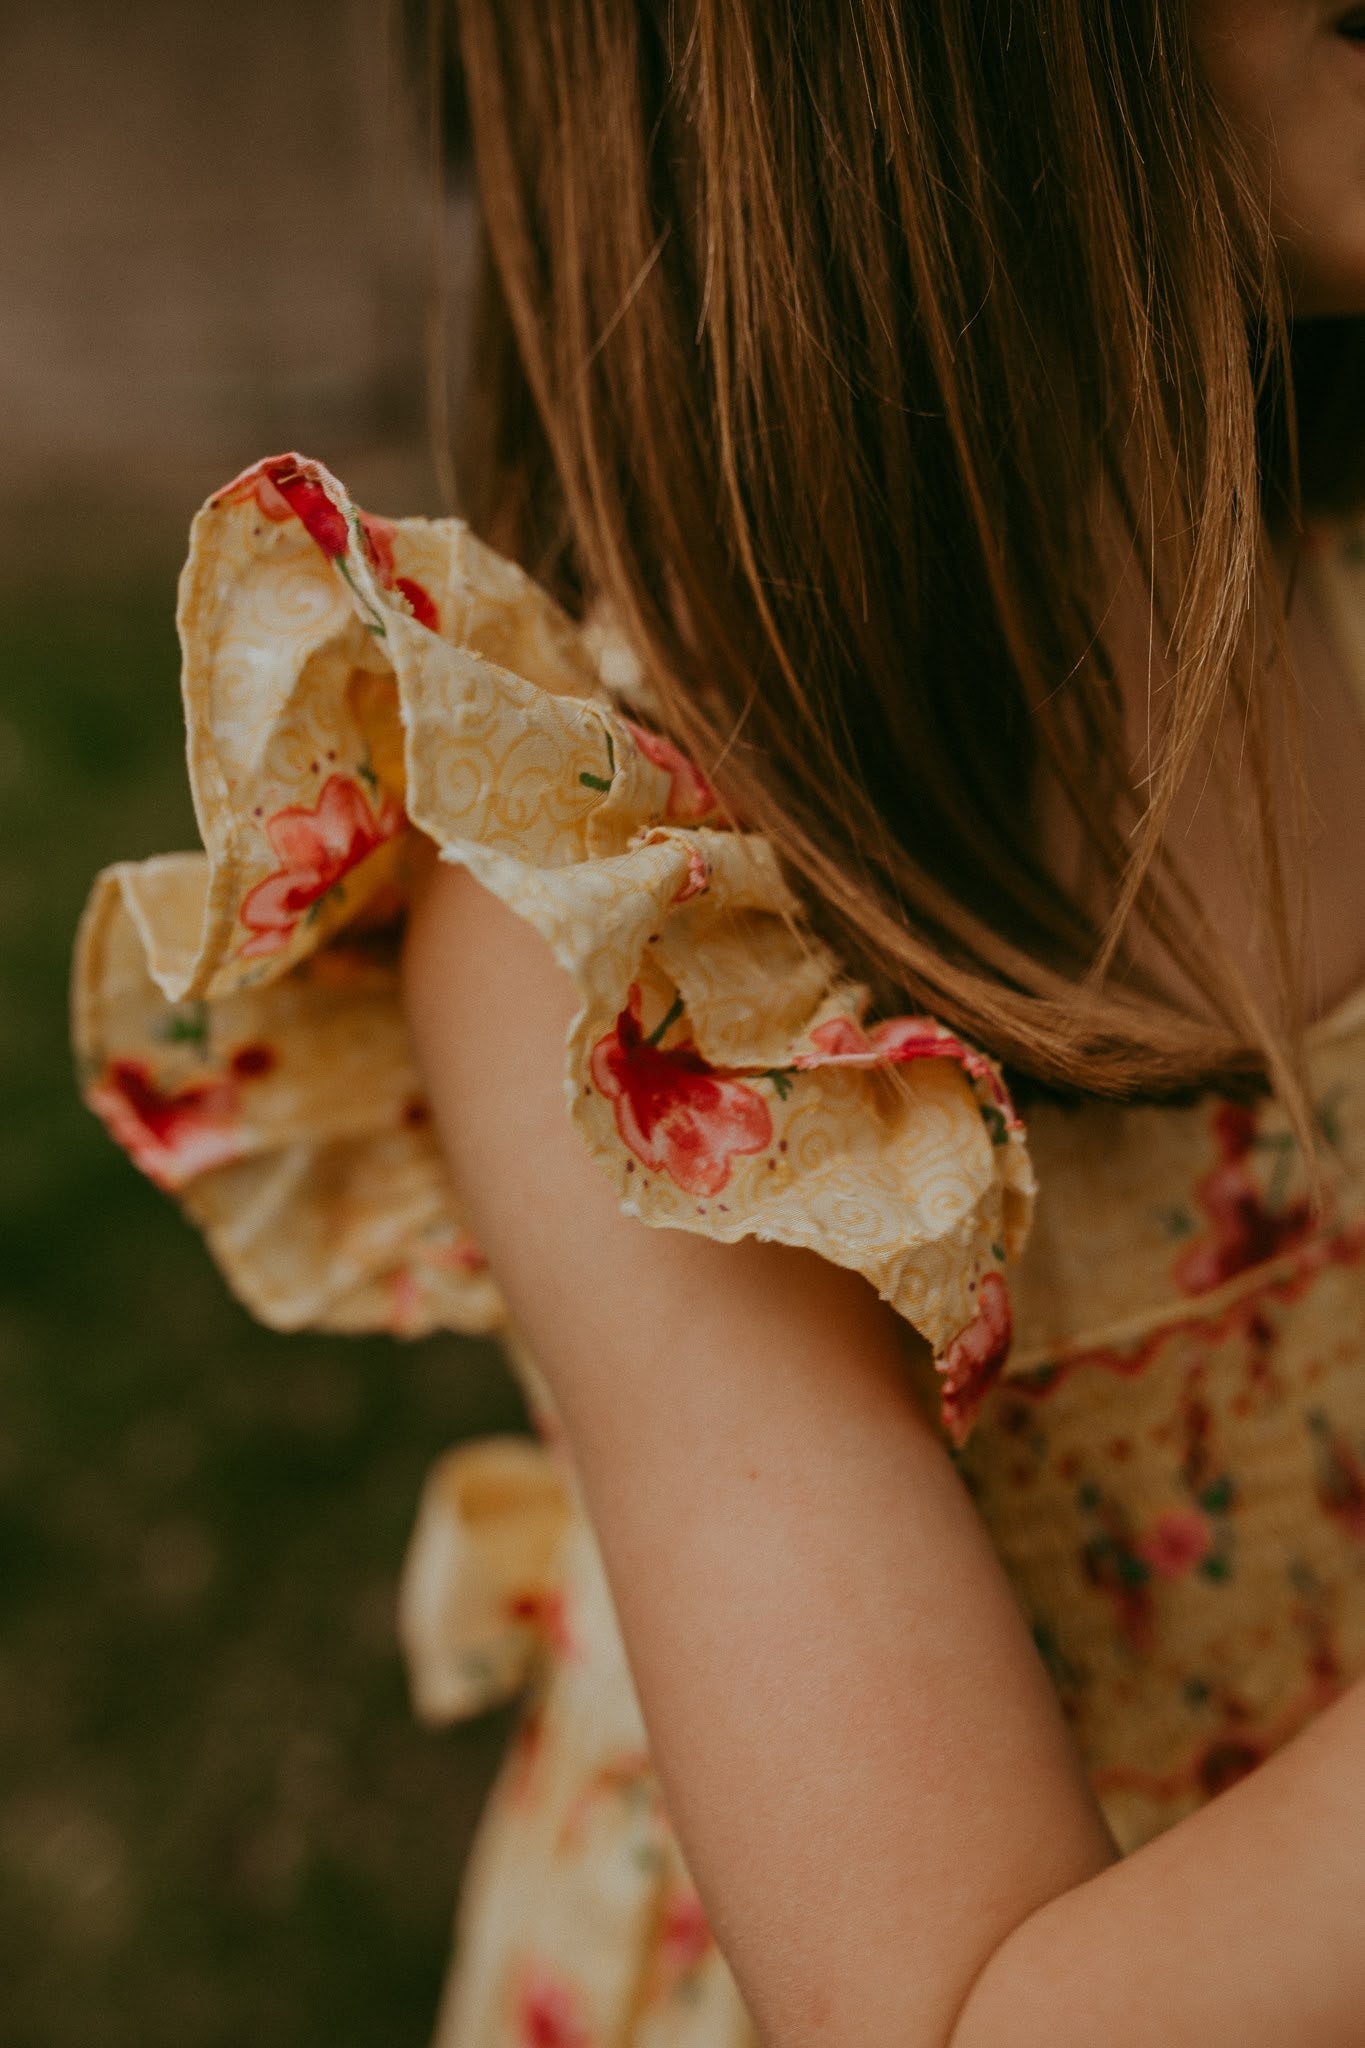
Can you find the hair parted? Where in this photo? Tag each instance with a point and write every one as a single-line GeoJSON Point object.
{"type": "Point", "coordinates": [837, 349]}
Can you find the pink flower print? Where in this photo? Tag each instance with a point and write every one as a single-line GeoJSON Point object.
{"type": "Point", "coordinates": [843, 1042]}
{"type": "Point", "coordinates": [406, 1301]}
{"type": "Point", "coordinates": [690, 795]}
{"type": "Point", "coordinates": [173, 1135]}
{"type": "Point", "coordinates": [698, 877]}
{"type": "Point", "coordinates": [285, 485]}
{"type": "Point", "coordinates": [628, 1776]}
{"type": "Point", "coordinates": [1176, 1542]}
{"type": "Point", "coordinates": [380, 535]}
{"type": "Point", "coordinates": [684, 1935]}
{"type": "Point", "coordinates": [256, 483]}
{"type": "Point", "coordinates": [677, 1113]}
{"type": "Point", "coordinates": [550, 2009]}
{"type": "Point", "coordinates": [409, 1286]}
{"type": "Point", "coordinates": [462, 1255]}
{"type": "Point", "coordinates": [974, 1358]}
{"type": "Point", "coordinates": [316, 848]}
{"type": "Point", "coordinates": [379, 538]}
{"type": "Point", "coordinates": [1244, 1232]}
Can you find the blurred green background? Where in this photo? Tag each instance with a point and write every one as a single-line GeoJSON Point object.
{"type": "Point", "coordinates": [218, 1821]}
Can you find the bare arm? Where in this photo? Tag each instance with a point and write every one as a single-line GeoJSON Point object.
{"type": "Point", "coordinates": [870, 1776]}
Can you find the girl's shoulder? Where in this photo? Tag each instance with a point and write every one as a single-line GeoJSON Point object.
{"type": "Point", "coordinates": [360, 691]}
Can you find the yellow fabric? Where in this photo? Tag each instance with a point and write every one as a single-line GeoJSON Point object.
{"type": "Point", "coordinates": [325, 722]}
{"type": "Point", "coordinates": [1171, 1460]}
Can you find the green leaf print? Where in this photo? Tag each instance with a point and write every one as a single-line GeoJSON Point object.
{"type": "Point", "coordinates": [598, 781]}
{"type": "Point", "coordinates": [188, 1026]}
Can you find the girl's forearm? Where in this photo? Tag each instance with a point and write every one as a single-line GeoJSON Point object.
{"type": "Point", "coordinates": [1241, 1927]}
{"type": "Point", "coordinates": [864, 1758]}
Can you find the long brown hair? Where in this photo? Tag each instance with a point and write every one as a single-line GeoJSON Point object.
{"type": "Point", "coordinates": [814, 340]}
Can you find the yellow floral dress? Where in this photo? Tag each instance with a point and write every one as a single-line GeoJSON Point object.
{"type": "Point", "coordinates": [1161, 1415]}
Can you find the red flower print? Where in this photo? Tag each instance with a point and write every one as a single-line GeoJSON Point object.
{"type": "Point", "coordinates": [1176, 1542]}
{"type": "Point", "coordinates": [1245, 1231]}
{"type": "Point", "coordinates": [1116, 1568]}
{"type": "Point", "coordinates": [550, 2009]}
{"type": "Point", "coordinates": [316, 848]}
{"type": "Point", "coordinates": [843, 1042]}
{"type": "Point", "coordinates": [1196, 1430]}
{"type": "Point", "coordinates": [288, 484]}
{"type": "Point", "coordinates": [677, 1113]}
{"type": "Point", "coordinates": [522, 1774]}
{"type": "Point", "coordinates": [420, 602]}
{"type": "Point", "coordinates": [1340, 1476]}
{"type": "Point", "coordinates": [974, 1358]}
{"type": "Point", "coordinates": [543, 1609]}
{"type": "Point", "coordinates": [290, 487]}
{"type": "Point", "coordinates": [690, 795]}
{"type": "Point", "coordinates": [252, 1062]}
{"type": "Point", "coordinates": [379, 538]}
{"type": "Point", "coordinates": [1225, 1762]}
{"type": "Point", "coordinates": [172, 1135]}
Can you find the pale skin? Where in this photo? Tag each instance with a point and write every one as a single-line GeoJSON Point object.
{"type": "Point", "coordinates": [868, 1770]}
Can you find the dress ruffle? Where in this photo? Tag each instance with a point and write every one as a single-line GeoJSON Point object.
{"type": "Point", "coordinates": [355, 688]}
{"type": "Point", "coordinates": [482, 1597]}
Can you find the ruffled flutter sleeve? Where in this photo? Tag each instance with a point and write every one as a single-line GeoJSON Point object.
{"type": "Point", "coordinates": [357, 691]}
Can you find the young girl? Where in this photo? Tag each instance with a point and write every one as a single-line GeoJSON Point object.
{"type": "Point", "coordinates": [943, 421]}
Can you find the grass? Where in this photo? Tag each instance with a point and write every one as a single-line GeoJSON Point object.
{"type": "Point", "coordinates": [218, 1822]}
